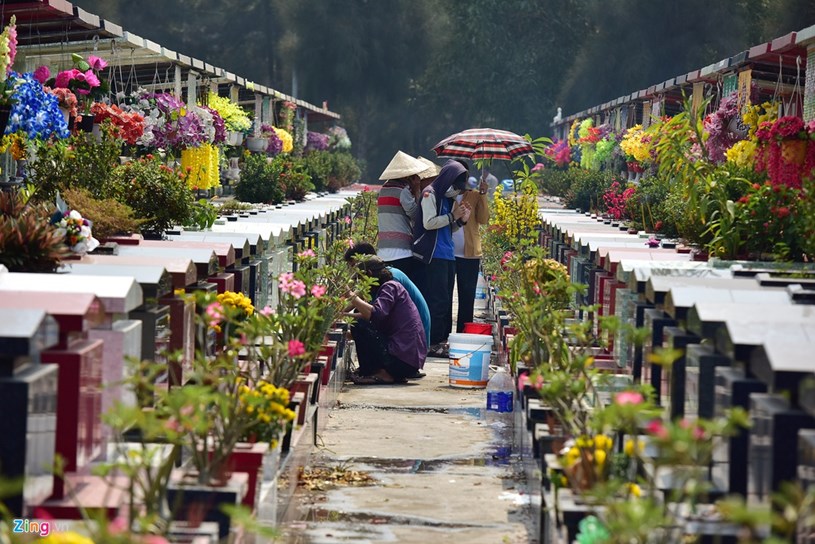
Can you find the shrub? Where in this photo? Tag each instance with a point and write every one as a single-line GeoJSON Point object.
{"type": "Point", "coordinates": [155, 192]}
{"type": "Point", "coordinates": [28, 240]}
{"type": "Point", "coordinates": [586, 188]}
{"type": "Point", "coordinates": [109, 217]}
{"type": "Point", "coordinates": [78, 161]}
{"type": "Point", "coordinates": [332, 170]}
{"type": "Point", "coordinates": [258, 181]}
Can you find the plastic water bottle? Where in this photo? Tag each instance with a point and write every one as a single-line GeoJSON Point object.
{"type": "Point", "coordinates": [480, 302]}
{"type": "Point", "coordinates": [500, 397]}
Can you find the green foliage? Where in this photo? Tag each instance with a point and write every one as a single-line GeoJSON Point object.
{"type": "Point", "coordinates": [202, 215]}
{"type": "Point", "coordinates": [292, 176]}
{"type": "Point", "coordinates": [258, 181]}
{"type": "Point", "coordinates": [28, 241]}
{"type": "Point", "coordinates": [331, 170]}
{"type": "Point", "coordinates": [231, 206]}
{"type": "Point", "coordinates": [78, 161]}
{"type": "Point", "coordinates": [585, 188]}
{"type": "Point", "coordinates": [109, 217]}
{"type": "Point", "coordinates": [364, 218]}
{"type": "Point", "coordinates": [155, 193]}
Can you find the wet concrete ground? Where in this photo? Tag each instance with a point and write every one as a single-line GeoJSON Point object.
{"type": "Point", "coordinates": [442, 472]}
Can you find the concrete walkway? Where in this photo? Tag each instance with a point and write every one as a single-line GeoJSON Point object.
{"type": "Point", "coordinates": [442, 472]}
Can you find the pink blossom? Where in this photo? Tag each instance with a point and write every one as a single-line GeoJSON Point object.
{"type": "Point", "coordinates": [296, 348]}
{"type": "Point", "coordinates": [297, 289]}
{"type": "Point", "coordinates": [536, 288]}
{"type": "Point", "coordinates": [117, 525]}
{"type": "Point", "coordinates": [698, 433]}
{"type": "Point", "coordinates": [347, 219]}
{"type": "Point", "coordinates": [306, 253]}
{"type": "Point", "coordinates": [42, 74]}
{"type": "Point", "coordinates": [285, 279]}
{"type": "Point", "coordinates": [538, 167]}
{"type": "Point", "coordinates": [350, 242]}
{"type": "Point", "coordinates": [267, 311]}
{"type": "Point", "coordinates": [318, 290]}
{"type": "Point", "coordinates": [12, 46]}
{"type": "Point", "coordinates": [97, 63]}
{"type": "Point", "coordinates": [172, 424]}
{"type": "Point", "coordinates": [656, 428]}
{"type": "Point", "coordinates": [215, 311]}
{"type": "Point", "coordinates": [187, 411]}
{"type": "Point", "coordinates": [628, 397]}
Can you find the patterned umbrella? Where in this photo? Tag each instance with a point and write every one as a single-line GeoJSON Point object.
{"type": "Point", "coordinates": [483, 143]}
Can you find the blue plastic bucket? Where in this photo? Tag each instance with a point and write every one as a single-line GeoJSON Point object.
{"type": "Point", "coordinates": [469, 359]}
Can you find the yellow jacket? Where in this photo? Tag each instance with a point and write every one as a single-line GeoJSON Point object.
{"type": "Point", "coordinates": [480, 215]}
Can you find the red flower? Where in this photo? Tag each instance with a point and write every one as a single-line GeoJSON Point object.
{"type": "Point", "coordinates": [782, 212]}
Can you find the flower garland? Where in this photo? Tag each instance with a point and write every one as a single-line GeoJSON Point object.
{"type": "Point", "coordinates": [8, 51]}
{"type": "Point", "coordinates": [786, 150]}
{"type": "Point", "coordinates": [201, 165]}
{"type": "Point", "coordinates": [34, 112]}
{"type": "Point", "coordinates": [720, 137]}
{"type": "Point", "coordinates": [286, 138]}
{"type": "Point", "coordinates": [235, 117]}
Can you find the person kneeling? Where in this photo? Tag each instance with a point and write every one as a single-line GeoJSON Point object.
{"type": "Point", "coordinates": [388, 333]}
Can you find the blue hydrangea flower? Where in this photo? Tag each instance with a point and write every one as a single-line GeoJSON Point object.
{"type": "Point", "coordinates": [35, 112]}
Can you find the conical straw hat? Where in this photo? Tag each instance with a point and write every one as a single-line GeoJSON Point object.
{"type": "Point", "coordinates": [432, 171]}
{"type": "Point", "coordinates": [401, 166]}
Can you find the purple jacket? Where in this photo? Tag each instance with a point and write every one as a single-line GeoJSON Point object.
{"type": "Point", "coordinates": [395, 316]}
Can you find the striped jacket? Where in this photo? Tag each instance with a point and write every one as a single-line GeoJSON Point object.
{"type": "Point", "coordinates": [395, 208]}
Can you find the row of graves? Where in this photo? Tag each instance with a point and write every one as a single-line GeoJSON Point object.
{"type": "Point", "coordinates": [745, 335]}
{"type": "Point", "coordinates": [64, 339]}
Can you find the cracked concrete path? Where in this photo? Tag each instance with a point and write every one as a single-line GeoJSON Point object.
{"type": "Point", "coordinates": [442, 472]}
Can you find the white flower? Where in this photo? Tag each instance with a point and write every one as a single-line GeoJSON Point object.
{"type": "Point", "coordinates": [85, 231]}
{"type": "Point", "coordinates": [75, 215]}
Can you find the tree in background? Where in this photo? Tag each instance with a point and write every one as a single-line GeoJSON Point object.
{"type": "Point", "coordinates": [405, 73]}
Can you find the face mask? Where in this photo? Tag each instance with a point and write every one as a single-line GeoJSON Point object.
{"type": "Point", "coordinates": [451, 192]}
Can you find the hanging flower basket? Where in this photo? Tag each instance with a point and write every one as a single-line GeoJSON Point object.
{"type": "Point", "coordinates": [234, 138]}
{"type": "Point", "coordinates": [256, 145]}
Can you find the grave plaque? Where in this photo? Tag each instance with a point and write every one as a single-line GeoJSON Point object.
{"type": "Point", "coordinates": [29, 393]}
{"type": "Point", "coordinates": [733, 389]}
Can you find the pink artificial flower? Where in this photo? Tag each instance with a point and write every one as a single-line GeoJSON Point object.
{"type": "Point", "coordinates": [307, 253]}
{"type": "Point", "coordinates": [91, 79]}
{"type": "Point", "coordinates": [318, 290]}
{"type": "Point", "coordinates": [267, 311]}
{"type": "Point", "coordinates": [347, 219]}
{"type": "Point", "coordinates": [42, 74]}
{"type": "Point", "coordinates": [656, 428]}
{"type": "Point", "coordinates": [296, 348]}
{"type": "Point", "coordinates": [215, 311]}
{"type": "Point", "coordinates": [97, 63]}
{"type": "Point", "coordinates": [65, 77]}
{"type": "Point", "coordinates": [628, 397]}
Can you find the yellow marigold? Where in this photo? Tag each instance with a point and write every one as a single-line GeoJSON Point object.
{"type": "Point", "coordinates": [634, 489]}
{"type": "Point", "coordinates": [285, 137]}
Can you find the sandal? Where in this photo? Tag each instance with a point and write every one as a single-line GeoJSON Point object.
{"type": "Point", "coordinates": [417, 376]}
{"type": "Point", "coordinates": [439, 352]}
{"type": "Point", "coordinates": [373, 380]}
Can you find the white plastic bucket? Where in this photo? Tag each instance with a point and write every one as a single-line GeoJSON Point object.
{"type": "Point", "coordinates": [469, 359]}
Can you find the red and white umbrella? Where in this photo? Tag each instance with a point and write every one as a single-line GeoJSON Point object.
{"type": "Point", "coordinates": [484, 144]}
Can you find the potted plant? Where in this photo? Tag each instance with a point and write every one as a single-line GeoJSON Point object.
{"type": "Point", "coordinates": [8, 50]}
{"type": "Point", "coordinates": [29, 242]}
